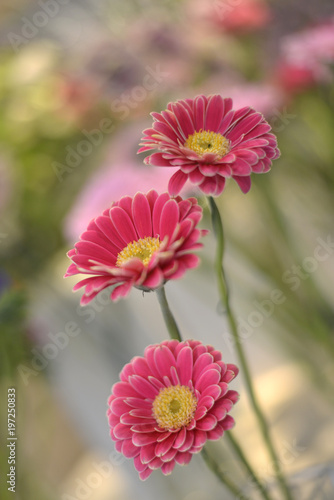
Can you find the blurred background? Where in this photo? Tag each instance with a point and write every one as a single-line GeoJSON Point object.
{"type": "Point", "coordinates": [78, 80]}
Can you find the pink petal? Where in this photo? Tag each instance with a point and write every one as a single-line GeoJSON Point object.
{"type": "Point", "coordinates": [155, 279]}
{"type": "Point", "coordinates": [128, 449]}
{"type": "Point", "coordinates": [140, 367]}
{"type": "Point", "coordinates": [145, 474]}
{"type": "Point", "coordinates": [215, 433]}
{"type": "Point", "coordinates": [164, 360]}
{"type": "Point", "coordinates": [209, 377]}
{"type": "Point", "coordinates": [106, 226]}
{"type": "Point", "coordinates": [228, 422]}
{"type": "Point", "coordinates": [123, 224]}
{"type": "Point", "coordinates": [156, 217]}
{"type": "Point", "coordinates": [143, 386]}
{"type": "Point", "coordinates": [124, 390]}
{"type": "Point", "coordinates": [207, 423]}
{"type": "Point", "coordinates": [188, 443]}
{"type": "Point", "coordinates": [168, 467]}
{"type": "Point", "coordinates": [170, 455]}
{"type": "Point", "coordinates": [147, 453]}
{"type": "Point", "coordinates": [200, 438]}
{"type": "Point", "coordinates": [169, 218]}
{"type": "Point", "coordinates": [141, 213]}
{"type": "Point", "coordinates": [185, 365]}
{"type": "Point", "coordinates": [212, 390]}
{"type": "Point", "coordinates": [196, 177]}
{"type": "Point", "coordinates": [243, 182]}
{"type": "Point", "coordinates": [122, 431]}
{"type": "Point", "coordinates": [202, 362]}
{"type": "Point", "coordinates": [209, 186]}
{"type": "Point", "coordinates": [214, 113]}
{"type": "Point", "coordinates": [183, 458]}
{"type": "Point", "coordinates": [121, 291]}
{"type": "Point", "coordinates": [199, 113]}
{"type": "Point", "coordinates": [181, 437]}
{"type": "Point", "coordinates": [176, 182]}
{"type": "Point", "coordinates": [140, 439]}
{"type": "Point", "coordinates": [118, 406]}
{"type": "Point", "coordinates": [165, 446]}
{"type": "Point", "coordinates": [184, 120]}
{"type": "Point", "coordinates": [241, 168]}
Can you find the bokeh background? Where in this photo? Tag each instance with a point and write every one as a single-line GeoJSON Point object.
{"type": "Point", "coordinates": [78, 80]}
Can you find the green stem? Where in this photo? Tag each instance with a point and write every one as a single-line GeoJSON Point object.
{"type": "Point", "coordinates": [223, 478]}
{"type": "Point", "coordinates": [224, 294]}
{"type": "Point", "coordinates": [174, 333]}
{"type": "Point", "coordinates": [236, 447]}
{"type": "Point", "coordinates": [170, 322]}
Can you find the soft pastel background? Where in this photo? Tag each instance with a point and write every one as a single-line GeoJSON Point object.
{"type": "Point", "coordinates": [78, 80]}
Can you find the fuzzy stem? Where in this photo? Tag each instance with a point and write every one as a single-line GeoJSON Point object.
{"type": "Point", "coordinates": [224, 295]}
{"type": "Point", "coordinates": [170, 322]}
{"type": "Point", "coordinates": [236, 447]}
{"type": "Point", "coordinates": [223, 478]}
{"type": "Point", "coordinates": [174, 333]}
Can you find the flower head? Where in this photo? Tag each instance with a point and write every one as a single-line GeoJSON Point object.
{"type": "Point", "coordinates": [169, 403]}
{"type": "Point", "coordinates": [210, 141]}
{"type": "Point", "coordinates": [142, 241]}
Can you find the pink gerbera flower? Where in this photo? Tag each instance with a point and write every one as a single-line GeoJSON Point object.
{"type": "Point", "coordinates": [169, 403]}
{"type": "Point", "coordinates": [210, 141]}
{"type": "Point", "coordinates": [142, 241]}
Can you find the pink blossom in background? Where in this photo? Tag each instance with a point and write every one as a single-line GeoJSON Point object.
{"type": "Point", "coordinates": [140, 242]}
{"type": "Point", "coordinates": [242, 15]}
{"type": "Point", "coordinates": [305, 56]}
{"type": "Point", "coordinates": [169, 402]}
{"type": "Point", "coordinates": [210, 141]}
{"type": "Point", "coordinates": [109, 184]}
{"type": "Point", "coordinates": [120, 174]}
{"type": "Point", "coordinates": [315, 43]}
{"type": "Point", "coordinates": [263, 97]}
{"type": "Point", "coordinates": [292, 77]}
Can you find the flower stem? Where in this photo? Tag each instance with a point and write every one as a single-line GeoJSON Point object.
{"type": "Point", "coordinates": [224, 295]}
{"type": "Point", "coordinates": [174, 333]}
{"type": "Point", "coordinates": [170, 322]}
{"type": "Point", "coordinates": [236, 447]}
{"type": "Point", "coordinates": [223, 478]}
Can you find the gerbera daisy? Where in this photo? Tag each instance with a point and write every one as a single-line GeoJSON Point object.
{"type": "Point", "coordinates": [210, 141]}
{"type": "Point", "coordinates": [142, 241]}
{"type": "Point", "coordinates": [169, 403]}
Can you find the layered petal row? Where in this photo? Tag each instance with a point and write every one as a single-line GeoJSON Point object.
{"type": "Point", "coordinates": [169, 402]}
{"type": "Point", "coordinates": [139, 242]}
{"type": "Point", "coordinates": [210, 141]}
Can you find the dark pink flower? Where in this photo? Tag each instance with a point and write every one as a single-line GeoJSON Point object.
{"type": "Point", "coordinates": [210, 141]}
{"type": "Point", "coordinates": [142, 241]}
{"type": "Point", "coordinates": [169, 403]}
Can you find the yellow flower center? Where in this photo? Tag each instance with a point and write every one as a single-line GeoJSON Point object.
{"type": "Point", "coordinates": [174, 407]}
{"type": "Point", "coordinates": [208, 142]}
{"type": "Point", "coordinates": [143, 249]}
